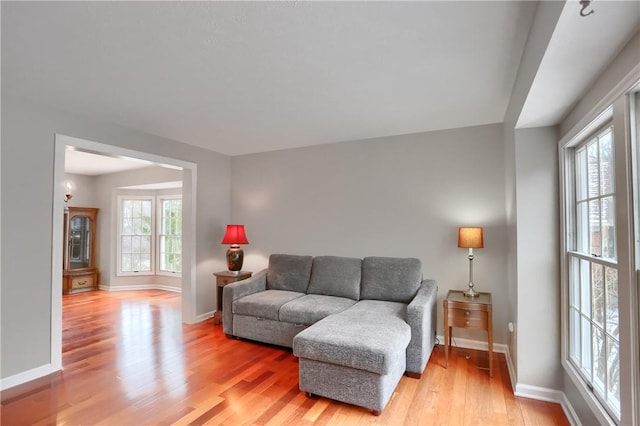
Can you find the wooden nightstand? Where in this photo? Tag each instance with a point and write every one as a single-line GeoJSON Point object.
{"type": "Point", "coordinates": [468, 312]}
{"type": "Point", "coordinates": [223, 278]}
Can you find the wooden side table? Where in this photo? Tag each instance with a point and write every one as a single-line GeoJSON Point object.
{"type": "Point", "coordinates": [223, 278]}
{"type": "Point", "coordinates": [468, 312]}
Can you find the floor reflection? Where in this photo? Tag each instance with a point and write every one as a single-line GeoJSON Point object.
{"type": "Point", "coordinates": [150, 349]}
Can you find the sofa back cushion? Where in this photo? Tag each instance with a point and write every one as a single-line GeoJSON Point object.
{"type": "Point", "coordinates": [336, 276]}
{"type": "Point", "coordinates": [289, 272]}
{"type": "Point", "coordinates": [390, 278]}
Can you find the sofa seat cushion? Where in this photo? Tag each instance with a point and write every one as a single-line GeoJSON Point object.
{"type": "Point", "coordinates": [264, 304]}
{"type": "Point", "coordinates": [372, 335]}
{"type": "Point", "coordinates": [289, 272]}
{"type": "Point", "coordinates": [336, 276]}
{"type": "Point", "coordinates": [312, 308]}
{"type": "Point", "coordinates": [390, 278]}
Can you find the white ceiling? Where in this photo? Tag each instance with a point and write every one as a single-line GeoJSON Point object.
{"type": "Point", "coordinates": [244, 77]}
{"type": "Point", "coordinates": [89, 164]}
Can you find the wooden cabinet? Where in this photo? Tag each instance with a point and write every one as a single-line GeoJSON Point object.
{"type": "Point", "coordinates": [223, 278]}
{"type": "Point", "coordinates": [78, 270]}
{"type": "Point", "coordinates": [468, 312]}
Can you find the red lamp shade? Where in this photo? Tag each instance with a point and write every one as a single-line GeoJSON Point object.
{"type": "Point", "coordinates": [235, 235]}
{"type": "Point", "coordinates": [235, 256]}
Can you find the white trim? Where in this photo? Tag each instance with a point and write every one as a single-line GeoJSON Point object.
{"type": "Point", "coordinates": [158, 234]}
{"type": "Point", "coordinates": [26, 376]}
{"type": "Point", "coordinates": [539, 393]}
{"type": "Point", "coordinates": [56, 254]}
{"type": "Point", "coordinates": [140, 287]}
{"type": "Point", "coordinates": [205, 316]}
{"type": "Point", "coordinates": [478, 345]}
{"type": "Point", "coordinates": [625, 85]}
{"type": "Point", "coordinates": [591, 130]}
{"type": "Point", "coordinates": [512, 370]}
{"type": "Point", "coordinates": [113, 150]}
{"type": "Point", "coordinates": [549, 395]}
{"type": "Point", "coordinates": [189, 220]}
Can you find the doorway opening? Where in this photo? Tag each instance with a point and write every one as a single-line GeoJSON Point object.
{"type": "Point", "coordinates": [188, 184]}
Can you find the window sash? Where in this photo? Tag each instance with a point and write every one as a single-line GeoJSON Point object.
{"type": "Point", "coordinates": [169, 249]}
{"type": "Point", "coordinates": [593, 345]}
{"type": "Point", "coordinates": [135, 235]}
{"type": "Point", "coordinates": [594, 191]}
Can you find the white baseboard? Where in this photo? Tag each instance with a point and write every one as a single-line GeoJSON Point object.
{"type": "Point", "coordinates": [571, 414]}
{"type": "Point", "coordinates": [141, 287]}
{"type": "Point", "coordinates": [475, 344]}
{"type": "Point", "coordinates": [549, 395]}
{"type": "Point", "coordinates": [205, 316]}
{"type": "Point", "coordinates": [539, 393]}
{"type": "Point", "coordinates": [519, 389]}
{"type": "Point", "coordinates": [512, 370]}
{"type": "Point", "coordinates": [26, 376]}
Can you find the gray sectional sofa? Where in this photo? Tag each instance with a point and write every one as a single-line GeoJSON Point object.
{"type": "Point", "coordinates": [357, 325]}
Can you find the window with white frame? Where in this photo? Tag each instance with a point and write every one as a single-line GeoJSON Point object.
{"type": "Point", "coordinates": [594, 346]}
{"type": "Point", "coordinates": [142, 249]}
{"type": "Point", "coordinates": [135, 235]}
{"type": "Point", "coordinates": [170, 234]}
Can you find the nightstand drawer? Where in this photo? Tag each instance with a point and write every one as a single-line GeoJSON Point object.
{"type": "Point", "coordinates": [467, 318]}
{"type": "Point", "coordinates": [82, 282]}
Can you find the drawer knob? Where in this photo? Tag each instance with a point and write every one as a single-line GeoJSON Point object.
{"type": "Point", "coordinates": [467, 313]}
{"type": "Point", "coordinates": [466, 323]}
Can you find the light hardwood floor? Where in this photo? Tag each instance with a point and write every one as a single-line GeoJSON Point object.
{"type": "Point", "coordinates": [128, 360]}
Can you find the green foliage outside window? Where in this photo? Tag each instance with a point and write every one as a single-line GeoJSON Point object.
{"type": "Point", "coordinates": [170, 235]}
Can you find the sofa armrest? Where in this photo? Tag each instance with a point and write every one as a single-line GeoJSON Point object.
{"type": "Point", "coordinates": [421, 317]}
{"type": "Point", "coordinates": [234, 291]}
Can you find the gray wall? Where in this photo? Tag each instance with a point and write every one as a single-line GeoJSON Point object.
{"type": "Point", "coordinates": [27, 167]}
{"type": "Point", "coordinates": [83, 191]}
{"type": "Point", "coordinates": [393, 196]}
{"type": "Point", "coordinates": [538, 268]}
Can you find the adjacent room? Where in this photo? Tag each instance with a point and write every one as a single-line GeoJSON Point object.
{"type": "Point", "coordinates": [320, 212]}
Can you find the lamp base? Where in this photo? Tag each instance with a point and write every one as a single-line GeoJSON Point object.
{"type": "Point", "coordinates": [235, 257]}
{"type": "Point", "coordinates": [471, 292]}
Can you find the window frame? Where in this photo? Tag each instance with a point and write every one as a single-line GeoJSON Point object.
{"type": "Point", "coordinates": [614, 108]}
{"type": "Point", "coordinates": [156, 205]}
{"type": "Point", "coordinates": [159, 216]}
{"type": "Point", "coordinates": [577, 253]}
{"type": "Point", "coordinates": [119, 271]}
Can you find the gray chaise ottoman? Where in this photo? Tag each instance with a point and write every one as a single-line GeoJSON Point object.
{"type": "Point", "coordinates": [357, 356]}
